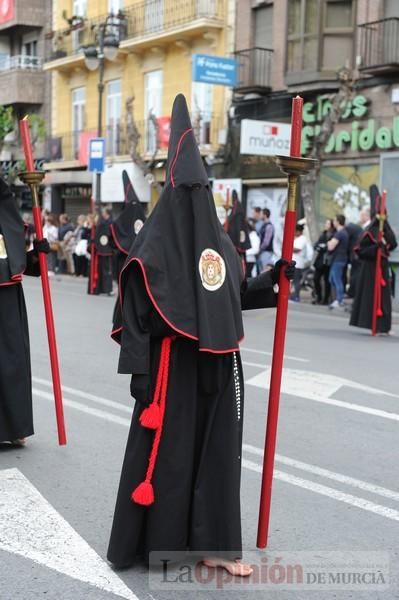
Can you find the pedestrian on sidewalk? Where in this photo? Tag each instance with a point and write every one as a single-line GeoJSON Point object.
{"type": "Point", "coordinates": [179, 324]}
{"type": "Point", "coordinates": [321, 266]}
{"type": "Point", "coordinates": [50, 232]}
{"type": "Point", "coordinates": [300, 256]}
{"type": "Point", "coordinates": [253, 251]}
{"type": "Point", "coordinates": [338, 258]}
{"type": "Point", "coordinates": [266, 241]}
{"type": "Point", "coordinates": [16, 418]}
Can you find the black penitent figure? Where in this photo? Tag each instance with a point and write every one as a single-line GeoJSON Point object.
{"type": "Point", "coordinates": [103, 258]}
{"type": "Point", "coordinates": [125, 228]}
{"type": "Point", "coordinates": [16, 421]}
{"type": "Point", "coordinates": [237, 227]}
{"type": "Point", "coordinates": [179, 325]}
{"type": "Point", "coordinates": [363, 304]}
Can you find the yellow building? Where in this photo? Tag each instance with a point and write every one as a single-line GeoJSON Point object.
{"type": "Point", "coordinates": [156, 40]}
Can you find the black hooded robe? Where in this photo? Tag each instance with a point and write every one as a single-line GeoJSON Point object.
{"type": "Point", "coordinates": [16, 419]}
{"type": "Point", "coordinates": [103, 258]}
{"type": "Point", "coordinates": [363, 304]}
{"type": "Point", "coordinates": [169, 294]}
{"type": "Point", "coordinates": [125, 228]}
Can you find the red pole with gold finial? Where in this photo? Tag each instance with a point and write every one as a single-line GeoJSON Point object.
{"type": "Point", "coordinates": [294, 166]}
{"type": "Point", "coordinates": [33, 178]}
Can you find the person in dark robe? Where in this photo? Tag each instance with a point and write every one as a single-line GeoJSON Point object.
{"type": "Point", "coordinates": [363, 304]}
{"type": "Point", "coordinates": [237, 228]}
{"type": "Point", "coordinates": [322, 269]}
{"type": "Point", "coordinates": [179, 325]}
{"type": "Point", "coordinates": [127, 225]}
{"type": "Point", "coordinates": [16, 419]}
{"type": "Point", "coordinates": [103, 254]}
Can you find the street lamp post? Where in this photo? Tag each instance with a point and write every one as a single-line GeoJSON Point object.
{"type": "Point", "coordinates": [95, 55]}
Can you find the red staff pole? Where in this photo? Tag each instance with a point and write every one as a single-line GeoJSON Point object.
{"type": "Point", "coordinates": [293, 166]}
{"type": "Point", "coordinates": [378, 280]}
{"type": "Point", "coordinates": [33, 179]}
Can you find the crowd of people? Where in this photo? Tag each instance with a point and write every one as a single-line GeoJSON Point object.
{"type": "Point", "coordinates": [330, 267]}
{"type": "Point", "coordinates": [68, 241]}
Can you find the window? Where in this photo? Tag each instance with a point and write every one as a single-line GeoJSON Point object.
{"type": "Point", "coordinates": [201, 111]}
{"type": "Point", "coordinates": [114, 108]}
{"type": "Point", "coordinates": [153, 89]}
{"type": "Point", "coordinates": [78, 117]}
{"type": "Point", "coordinates": [320, 35]}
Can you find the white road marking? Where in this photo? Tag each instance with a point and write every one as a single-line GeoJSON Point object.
{"type": "Point", "coordinates": [358, 483]}
{"type": "Point", "coordinates": [95, 412]}
{"type": "Point", "coordinates": [32, 528]}
{"type": "Point", "coordinates": [265, 353]}
{"type": "Point", "coordinates": [309, 485]}
{"type": "Point", "coordinates": [317, 387]}
{"type": "Point", "coordinates": [309, 384]}
{"type": "Point", "coordinates": [86, 395]}
{"type": "Point", "coordinates": [378, 509]}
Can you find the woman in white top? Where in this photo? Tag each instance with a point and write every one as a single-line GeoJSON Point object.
{"type": "Point", "coordinates": [302, 259]}
{"type": "Point", "coordinates": [50, 232]}
{"type": "Point", "coordinates": [252, 253]}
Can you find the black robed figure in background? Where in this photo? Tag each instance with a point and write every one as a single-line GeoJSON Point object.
{"type": "Point", "coordinates": [363, 304]}
{"type": "Point", "coordinates": [125, 227]}
{"type": "Point", "coordinates": [103, 272]}
{"type": "Point", "coordinates": [179, 326]}
{"type": "Point", "coordinates": [16, 420]}
{"type": "Point", "coordinates": [236, 226]}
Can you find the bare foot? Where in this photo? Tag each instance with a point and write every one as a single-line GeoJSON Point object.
{"type": "Point", "coordinates": [20, 442]}
{"type": "Point", "coordinates": [234, 567]}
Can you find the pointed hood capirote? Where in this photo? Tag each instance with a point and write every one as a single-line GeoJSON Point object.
{"type": "Point", "coordinates": [125, 228]}
{"type": "Point", "coordinates": [13, 254]}
{"type": "Point", "coordinates": [190, 268]}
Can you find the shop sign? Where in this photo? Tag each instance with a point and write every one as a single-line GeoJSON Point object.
{"type": "Point", "coordinates": [265, 138]}
{"type": "Point", "coordinates": [357, 136]}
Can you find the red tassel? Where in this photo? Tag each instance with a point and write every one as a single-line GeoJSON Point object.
{"type": "Point", "coordinates": [151, 416]}
{"type": "Point", "coordinates": [383, 282]}
{"type": "Point", "coordinates": [143, 494]}
{"type": "Point", "coordinates": [379, 312]}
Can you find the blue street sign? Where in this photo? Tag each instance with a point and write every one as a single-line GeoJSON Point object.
{"type": "Point", "coordinates": [214, 69]}
{"type": "Point", "coordinates": [97, 155]}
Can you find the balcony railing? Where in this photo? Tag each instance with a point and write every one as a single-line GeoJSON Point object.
{"type": "Point", "coordinates": [136, 21]}
{"type": "Point", "coordinates": [254, 70]}
{"type": "Point", "coordinates": [379, 42]}
{"type": "Point", "coordinates": [73, 146]}
{"type": "Point", "coordinates": [20, 62]}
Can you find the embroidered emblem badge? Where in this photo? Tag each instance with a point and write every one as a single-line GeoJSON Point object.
{"type": "Point", "coordinates": [212, 270]}
{"type": "Point", "coordinates": [104, 240]}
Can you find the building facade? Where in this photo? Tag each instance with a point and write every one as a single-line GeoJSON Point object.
{"type": "Point", "coordinates": [24, 86]}
{"type": "Point", "coordinates": [156, 40]}
{"type": "Point", "coordinates": [304, 46]}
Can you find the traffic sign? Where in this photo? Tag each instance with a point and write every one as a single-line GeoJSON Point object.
{"type": "Point", "coordinates": [97, 155]}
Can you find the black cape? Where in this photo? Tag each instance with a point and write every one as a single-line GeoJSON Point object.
{"type": "Point", "coordinates": [187, 261]}
{"type": "Point", "coordinates": [128, 224]}
{"type": "Point", "coordinates": [12, 246]}
{"type": "Point", "coordinates": [363, 304]}
{"type": "Point", "coordinates": [16, 420]}
{"type": "Point", "coordinates": [183, 286]}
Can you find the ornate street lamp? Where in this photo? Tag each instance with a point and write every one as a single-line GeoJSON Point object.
{"type": "Point", "coordinates": [106, 47]}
